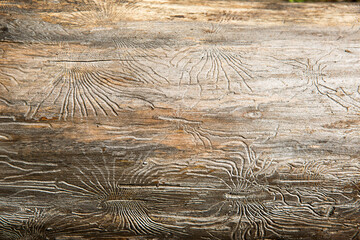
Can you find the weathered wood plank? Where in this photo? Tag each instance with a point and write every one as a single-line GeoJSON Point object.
{"type": "Point", "coordinates": [179, 120]}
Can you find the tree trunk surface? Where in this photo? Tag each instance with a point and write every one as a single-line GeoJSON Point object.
{"type": "Point", "coordinates": [179, 120]}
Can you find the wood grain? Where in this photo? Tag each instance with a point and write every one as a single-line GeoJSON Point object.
{"type": "Point", "coordinates": [179, 120]}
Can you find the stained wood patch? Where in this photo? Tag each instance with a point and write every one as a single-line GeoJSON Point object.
{"type": "Point", "coordinates": [179, 120]}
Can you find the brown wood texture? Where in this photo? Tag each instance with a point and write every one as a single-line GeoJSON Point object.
{"type": "Point", "coordinates": [179, 120]}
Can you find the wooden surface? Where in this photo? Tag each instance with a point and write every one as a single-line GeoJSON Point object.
{"type": "Point", "coordinates": [179, 120]}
